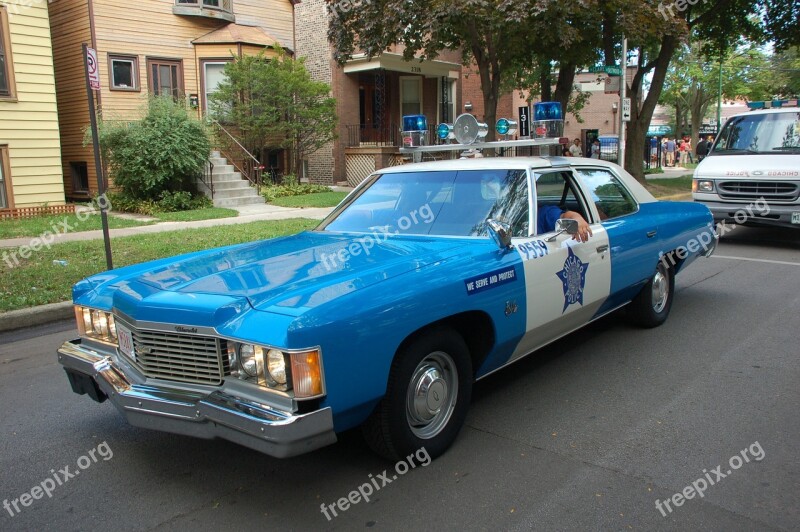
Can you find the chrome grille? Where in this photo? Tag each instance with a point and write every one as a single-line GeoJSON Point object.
{"type": "Point", "coordinates": [753, 190]}
{"type": "Point", "coordinates": [178, 357]}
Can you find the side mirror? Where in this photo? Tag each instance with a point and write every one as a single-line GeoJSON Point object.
{"type": "Point", "coordinates": [500, 233]}
{"type": "Point", "coordinates": [565, 225]}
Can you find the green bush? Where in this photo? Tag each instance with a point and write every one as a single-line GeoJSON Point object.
{"type": "Point", "coordinates": [653, 170]}
{"type": "Point", "coordinates": [167, 202]}
{"type": "Point", "coordinates": [290, 187]}
{"type": "Point", "coordinates": [165, 151]}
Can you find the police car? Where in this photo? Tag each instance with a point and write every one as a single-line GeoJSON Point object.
{"type": "Point", "coordinates": [752, 174]}
{"type": "Point", "coordinates": [424, 279]}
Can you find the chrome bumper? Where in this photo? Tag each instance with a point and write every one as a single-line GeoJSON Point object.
{"type": "Point", "coordinates": [203, 415]}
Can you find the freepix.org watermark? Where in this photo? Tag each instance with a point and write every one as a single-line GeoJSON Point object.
{"type": "Point", "coordinates": [58, 478]}
{"type": "Point", "coordinates": [376, 483]}
{"type": "Point", "coordinates": [363, 245]}
{"type": "Point", "coordinates": [709, 478]}
{"type": "Point", "coordinates": [679, 5]}
{"type": "Point", "coordinates": [57, 229]}
{"type": "Point", "coordinates": [704, 240]}
{"type": "Point", "coordinates": [345, 6]}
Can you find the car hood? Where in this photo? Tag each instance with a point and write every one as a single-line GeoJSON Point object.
{"type": "Point", "coordinates": [773, 167]}
{"type": "Point", "coordinates": [292, 274]}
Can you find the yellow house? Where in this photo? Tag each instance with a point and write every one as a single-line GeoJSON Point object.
{"type": "Point", "coordinates": [30, 156]}
{"type": "Point", "coordinates": [152, 47]}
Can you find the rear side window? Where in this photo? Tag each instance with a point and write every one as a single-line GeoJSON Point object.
{"type": "Point", "coordinates": [609, 195]}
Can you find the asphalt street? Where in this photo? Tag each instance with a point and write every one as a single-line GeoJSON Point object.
{"type": "Point", "coordinates": [586, 434]}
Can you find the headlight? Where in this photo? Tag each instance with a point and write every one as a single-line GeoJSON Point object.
{"type": "Point", "coordinates": [96, 324]}
{"type": "Point", "coordinates": [702, 185]}
{"type": "Point", "coordinates": [283, 371]}
{"type": "Point", "coordinates": [276, 366]}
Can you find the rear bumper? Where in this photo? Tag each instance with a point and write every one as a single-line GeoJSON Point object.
{"type": "Point", "coordinates": [217, 414]}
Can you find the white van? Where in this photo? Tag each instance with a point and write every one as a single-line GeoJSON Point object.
{"type": "Point", "coordinates": [755, 161]}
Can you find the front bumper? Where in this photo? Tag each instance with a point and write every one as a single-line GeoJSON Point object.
{"type": "Point", "coordinates": [778, 214]}
{"type": "Point", "coordinates": [203, 415]}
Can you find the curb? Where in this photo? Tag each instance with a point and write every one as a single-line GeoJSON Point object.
{"type": "Point", "coordinates": [683, 196]}
{"type": "Point", "coordinates": [29, 317]}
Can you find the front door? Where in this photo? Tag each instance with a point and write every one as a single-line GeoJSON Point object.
{"type": "Point", "coordinates": [374, 114]}
{"type": "Point", "coordinates": [566, 281]}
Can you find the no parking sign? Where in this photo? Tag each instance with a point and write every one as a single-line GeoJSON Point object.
{"type": "Point", "coordinates": [91, 69]}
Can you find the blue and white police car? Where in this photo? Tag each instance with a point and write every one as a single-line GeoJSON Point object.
{"type": "Point", "coordinates": [424, 279]}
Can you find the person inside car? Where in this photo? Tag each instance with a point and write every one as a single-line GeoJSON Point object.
{"type": "Point", "coordinates": [550, 214]}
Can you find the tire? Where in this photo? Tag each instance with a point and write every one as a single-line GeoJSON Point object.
{"type": "Point", "coordinates": [651, 306]}
{"type": "Point", "coordinates": [437, 365]}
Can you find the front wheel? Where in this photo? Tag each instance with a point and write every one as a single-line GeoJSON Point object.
{"type": "Point", "coordinates": [651, 306]}
{"type": "Point", "coordinates": [427, 397]}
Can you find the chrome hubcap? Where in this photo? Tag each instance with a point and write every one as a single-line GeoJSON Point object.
{"type": "Point", "coordinates": [432, 395]}
{"type": "Point", "coordinates": [660, 291]}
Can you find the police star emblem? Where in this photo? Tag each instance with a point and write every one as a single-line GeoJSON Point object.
{"type": "Point", "coordinates": [573, 279]}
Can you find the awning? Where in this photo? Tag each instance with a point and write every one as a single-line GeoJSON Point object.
{"type": "Point", "coordinates": [395, 63]}
{"type": "Point", "coordinates": [239, 34]}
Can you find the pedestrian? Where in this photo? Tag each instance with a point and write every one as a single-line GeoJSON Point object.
{"type": "Point", "coordinates": [566, 152]}
{"type": "Point", "coordinates": [596, 149]}
{"type": "Point", "coordinates": [670, 149]}
{"type": "Point", "coordinates": [702, 149]}
{"type": "Point", "coordinates": [689, 152]}
{"type": "Point", "coordinates": [575, 149]}
{"type": "Point", "coordinates": [682, 152]}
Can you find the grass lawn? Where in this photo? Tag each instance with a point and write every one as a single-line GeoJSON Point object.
{"type": "Point", "coordinates": [31, 227]}
{"type": "Point", "coordinates": [660, 187]}
{"type": "Point", "coordinates": [37, 281]}
{"type": "Point", "coordinates": [318, 199]}
{"type": "Point", "coordinates": [200, 214]}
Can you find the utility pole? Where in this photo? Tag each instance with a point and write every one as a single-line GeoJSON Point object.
{"type": "Point", "coordinates": [719, 97]}
{"type": "Point", "coordinates": [622, 90]}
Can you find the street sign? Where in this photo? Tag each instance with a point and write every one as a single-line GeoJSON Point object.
{"type": "Point", "coordinates": [524, 121]}
{"type": "Point", "coordinates": [92, 70]}
{"type": "Point", "coordinates": [612, 85]}
{"type": "Point", "coordinates": [612, 70]}
{"type": "Point", "coordinates": [626, 109]}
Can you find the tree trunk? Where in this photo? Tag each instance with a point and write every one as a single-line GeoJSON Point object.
{"type": "Point", "coordinates": [546, 82]}
{"type": "Point", "coordinates": [565, 84]}
{"type": "Point", "coordinates": [642, 113]}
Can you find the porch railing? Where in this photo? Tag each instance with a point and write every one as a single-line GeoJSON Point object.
{"type": "Point", "coordinates": [365, 135]}
{"type": "Point", "coordinates": [237, 155]}
{"type": "Point", "coordinates": [207, 177]}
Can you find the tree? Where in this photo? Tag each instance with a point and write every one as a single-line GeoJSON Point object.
{"type": "Point", "coordinates": [692, 84]}
{"type": "Point", "coordinates": [274, 103]}
{"type": "Point", "coordinates": [497, 35]}
{"type": "Point", "coordinates": [165, 151]}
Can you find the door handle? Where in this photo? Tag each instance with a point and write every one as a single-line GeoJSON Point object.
{"type": "Point", "coordinates": [651, 234]}
{"type": "Point", "coordinates": [602, 249]}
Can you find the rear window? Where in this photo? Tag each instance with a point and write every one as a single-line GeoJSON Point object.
{"type": "Point", "coordinates": [771, 133]}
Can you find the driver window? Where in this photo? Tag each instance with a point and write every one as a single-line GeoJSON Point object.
{"type": "Point", "coordinates": [555, 194]}
{"type": "Point", "coordinates": [611, 198]}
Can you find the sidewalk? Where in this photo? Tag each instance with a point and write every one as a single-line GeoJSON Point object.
{"type": "Point", "coordinates": [247, 214]}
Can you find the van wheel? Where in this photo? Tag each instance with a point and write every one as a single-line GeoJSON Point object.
{"type": "Point", "coordinates": [427, 397]}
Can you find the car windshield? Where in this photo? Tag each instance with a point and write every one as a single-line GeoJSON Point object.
{"type": "Point", "coordinates": [447, 203]}
{"type": "Point", "coordinates": [772, 133]}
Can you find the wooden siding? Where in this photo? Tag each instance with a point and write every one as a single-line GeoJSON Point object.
{"type": "Point", "coordinates": [148, 29]}
{"type": "Point", "coordinates": [29, 125]}
{"type": "Point", "coordinates": [70, 27]}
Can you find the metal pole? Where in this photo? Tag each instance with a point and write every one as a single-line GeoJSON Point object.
{"type": "Point", "coordinates": [622, 89]}
{"type": "Point", "coordinates": [719, 97]}
{"type": "Point", "coordinates": [101, 185]}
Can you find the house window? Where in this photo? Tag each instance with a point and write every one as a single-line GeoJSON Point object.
{"type": "Point", "coordinates": [165, 77]}
{"type": "Point", "coordinates": [6, 198]}
{"type": "Point", "coordinates": [7, 88]}
{"type": "Point", "coordinates": [123, 72]}
{"type": "Point", "coordinates": [411, 95]}
{"type": "Point", "coordinates": [213, 75]}
{"type": "Point", "coordinates": [80, 176]}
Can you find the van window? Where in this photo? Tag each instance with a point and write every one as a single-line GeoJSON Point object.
{"type": "Point", "coordinates": [771, 133]}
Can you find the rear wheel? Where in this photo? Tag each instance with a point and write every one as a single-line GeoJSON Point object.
{"type": "Point", "coordinates": [651, 306]}
{"type": "Point", "coordinates": [427, 397]}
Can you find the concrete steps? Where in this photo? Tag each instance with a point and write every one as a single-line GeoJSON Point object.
{"type": "Point", "coordinates": [230, 188]}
